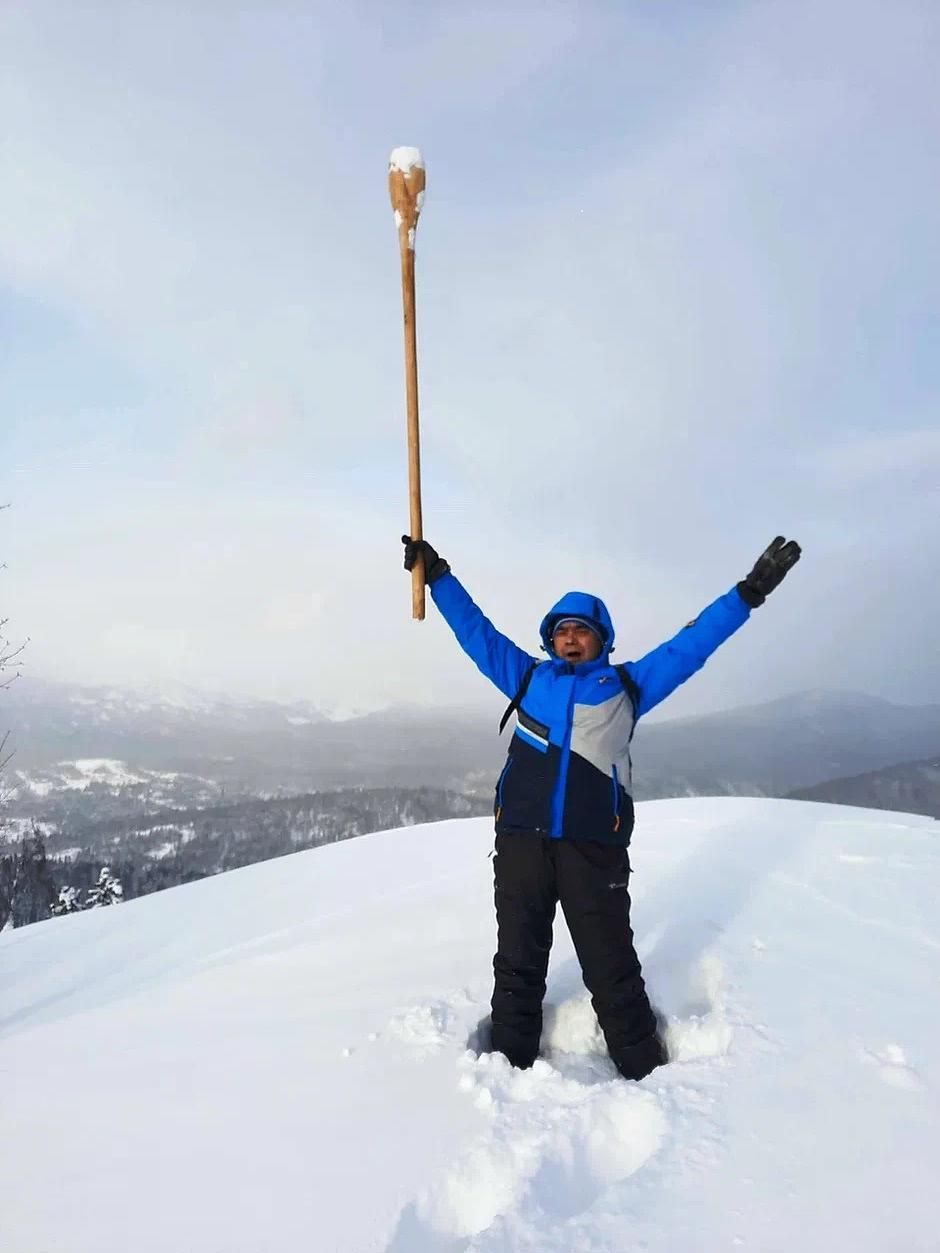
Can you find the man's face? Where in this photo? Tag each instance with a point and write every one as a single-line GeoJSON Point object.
{"type": "Point", "coordinates": [574, 642]}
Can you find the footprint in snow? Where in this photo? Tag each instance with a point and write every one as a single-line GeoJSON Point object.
{"type": "Point", "coordinates": [692, 1003]}
{"type": "Point", "coordinates": [430, 1026]}
{"type": "Point", "coordinates": [558, 1136]}
{"type": "Point", "coordinates": [893, 1067]}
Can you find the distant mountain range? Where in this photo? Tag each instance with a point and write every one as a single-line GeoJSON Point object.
{"type": "Point", "coordinates": [239, 748]}
{"type": "Point", "coordinates": [167, 791]}
{"type": "Point", "coordinates": [773, 748]}
{"type": "Point", "coordinates": [912, 788]}
{"type": "Point", "coordinates": [247, 747]}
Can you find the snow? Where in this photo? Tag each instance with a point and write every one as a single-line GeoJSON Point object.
{"type": "Point", "coordinates": [12, 830]}
{"type": "Point", "coordinates": [104, 772]}
{"type": "Point", "coordinates": [282, 1054]}
{"type": "Point", "coordinates": [36, 787]}
{"type": "Point", "coordinates": [405, 160]}
{"type": "Point", "coordinates": [162, 851]}
{"type": "Point", "coordinates": [83, 772]}
{"type": "Point", "coordinates": [105, 769]}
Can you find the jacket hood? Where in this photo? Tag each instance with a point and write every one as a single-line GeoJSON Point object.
{"type": "Point", "coordinates": [578, 605]}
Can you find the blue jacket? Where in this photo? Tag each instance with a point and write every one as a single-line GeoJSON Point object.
{"type": "Point", "coordinates": [568, 770]}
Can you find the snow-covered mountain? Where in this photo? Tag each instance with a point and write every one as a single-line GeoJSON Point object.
{"type": "Point", "coordinates": [106, 776]}
{"type": "Point", "coordinates": [278, 1058]}
{"type": "Point", "coordinates": [759, 749]}
{"type": "Point", "coordinates": [245, 747]}
{"type": "Point", "coordinates": [264, 747]}
{"type": "Point", "coordinates": [912, 786]}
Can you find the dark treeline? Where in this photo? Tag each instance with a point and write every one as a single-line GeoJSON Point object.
{"type": "Point", "coordinates": [27, 885]}
{"type": "Point", "coordinates": [171, 847]}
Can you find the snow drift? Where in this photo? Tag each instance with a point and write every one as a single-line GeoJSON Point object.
{"type": "Point", "coordinates": [283, 1058]}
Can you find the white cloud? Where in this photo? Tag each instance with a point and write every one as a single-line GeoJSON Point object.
{"type": "Point", "coordinates": [653, 331]}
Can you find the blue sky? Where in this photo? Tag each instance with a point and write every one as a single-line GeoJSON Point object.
{"type": "Point", "coordinates": [678, 277]}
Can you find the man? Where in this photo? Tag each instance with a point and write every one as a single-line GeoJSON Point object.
{"type": "Point", "coordinates": [564, 808]}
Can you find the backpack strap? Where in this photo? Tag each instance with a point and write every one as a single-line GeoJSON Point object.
{"type": "Point", "coordinates": [517, 699]}
{"type": "Point", "coordinates": [631, 689]}
{"type": "Point", "coordinates": [629, 686]}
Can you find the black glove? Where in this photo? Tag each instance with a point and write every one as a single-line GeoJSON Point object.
{"type": "Point", "coordinates": [769, 570]}
{"type": "Point", "coordinates": [434, 566]}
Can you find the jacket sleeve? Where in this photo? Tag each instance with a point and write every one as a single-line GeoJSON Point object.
{"type": "Point", "coordinates": [660, 672]}
{"type": "Point", "coordinates": [503, 662]}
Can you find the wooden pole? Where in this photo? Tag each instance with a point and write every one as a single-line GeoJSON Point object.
{"type": "Point", "coordinates": [406, 182]}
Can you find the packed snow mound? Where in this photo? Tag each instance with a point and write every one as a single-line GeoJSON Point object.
{"type": "Point", "coordinates": [294, 1055]}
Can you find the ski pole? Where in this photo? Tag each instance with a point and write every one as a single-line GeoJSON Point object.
{"type": "Point", "coordinates": [406, 187]}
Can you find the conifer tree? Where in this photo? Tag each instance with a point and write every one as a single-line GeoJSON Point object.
{"type": "Point", "coordinates": [69, 902]}
{"type": "Point", "coordinates": [107, 891]}
{"type": "Point", "coordinates": [33, 889]}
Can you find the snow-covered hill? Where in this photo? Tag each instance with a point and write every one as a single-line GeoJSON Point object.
{"type": "Point", "coordinates": [108, 777]}
{"type": "Point", "coordinates": [277, 1058]}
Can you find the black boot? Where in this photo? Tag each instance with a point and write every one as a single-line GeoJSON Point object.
{"type": "Point", "coordinates": [640, 1060]}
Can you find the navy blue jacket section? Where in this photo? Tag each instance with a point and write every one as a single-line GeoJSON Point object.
{"type": "Point", "coordinates": [568, 771]}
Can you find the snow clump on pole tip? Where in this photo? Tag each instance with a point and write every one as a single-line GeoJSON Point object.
{"type": "Point", "coordinates": [405, 159]}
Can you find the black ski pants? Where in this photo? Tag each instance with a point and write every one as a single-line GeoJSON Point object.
{"type": "Point", "coordinates": [532, 874]}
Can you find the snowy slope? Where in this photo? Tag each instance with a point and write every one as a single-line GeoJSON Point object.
{"type": "Point", "coordinates": [276, 1058]}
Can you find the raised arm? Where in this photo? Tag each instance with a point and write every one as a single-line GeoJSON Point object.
{"type": "Point", "coordinates": [660, 672]}
{"type": "Point", "coordinates": [495, 655]}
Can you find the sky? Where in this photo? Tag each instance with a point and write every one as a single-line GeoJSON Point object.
{"type": "Point", "coordinates": [677, 285]}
